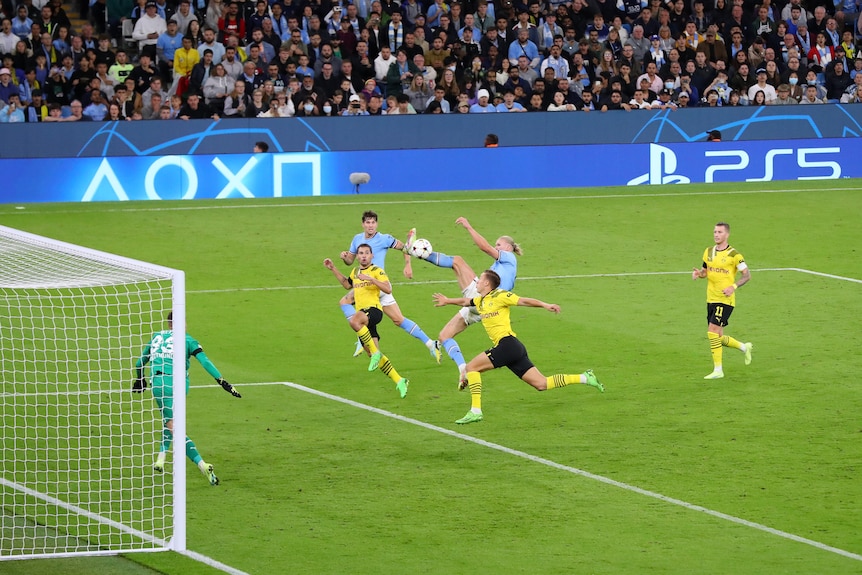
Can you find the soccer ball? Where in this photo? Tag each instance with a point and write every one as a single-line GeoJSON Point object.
{"type": "Point", "coordinates": [421, 249]}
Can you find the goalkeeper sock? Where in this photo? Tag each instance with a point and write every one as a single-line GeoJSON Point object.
{"type": "Point", "coordinates": [192, 451]}
{"type": "Point", "coordinates": [348, 310]}
{"type": "Point", "coordinates": [439, 260]}
{"type": "Point", "coordinates": [387, 368]}
{"type": "Point", "coordinates": [366, 339]}
{"type": "Point", "coordinates": [451, 347]}
{"type": "Point", "coordinates": [167, 439]}
{"type": "Point", "coordinates": [562, 380]}
{"type": "Point", "coordinates": [410, 327]}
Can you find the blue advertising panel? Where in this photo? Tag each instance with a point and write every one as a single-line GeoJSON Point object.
{"type": "Point", "coordinates": [327, 173]}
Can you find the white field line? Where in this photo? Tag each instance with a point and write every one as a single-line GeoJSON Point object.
{"type": "Point", "coordinates": [111, 523]}
{"type": "Point", "coordinates": [477, 441]}
{"type": "Point", "coordinates": [576, 471]}
{"type": "Point", "coordinates": [381, 200]}
{"type": "Point", "coordinates": [557, 277]}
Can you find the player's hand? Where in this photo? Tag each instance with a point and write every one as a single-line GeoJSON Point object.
{"type": "Point", "coordinates": [695, 273]}
{"type": "Point", "coordinates": [327, 263]}
{"type": "Point", "coordinates": [728, 291]}
{"type": "Point", "coordinates": [462, 221]}
{"type": "Point", "coordinates": [440, 300]}
{"type": "Point", "coordinates": [408, 271]}
{"type": "Point", "coordinates": [553, 307]}
{"type": "Point", "coordinates": [364, 277]}
{"type": "Point", "coordinates": [228, 387]}
{"type": "Point", "coordinates": [139, 385]}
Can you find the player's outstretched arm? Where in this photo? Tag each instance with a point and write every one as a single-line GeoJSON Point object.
{"type": "Point", "coordinates": [478, 239]}
{"type": "Point", "coordinates": [440, 300]}
{"type": "Point", "coordinates": [345, 282]}
{"type": "Point", "coordinates": [532, 302]}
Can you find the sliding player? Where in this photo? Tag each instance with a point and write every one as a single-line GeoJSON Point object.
{"type": "Point", "coordinates": [493, 304]}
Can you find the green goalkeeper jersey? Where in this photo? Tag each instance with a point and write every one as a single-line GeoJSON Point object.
{"type": "Point", "coordinates": [160, 351]}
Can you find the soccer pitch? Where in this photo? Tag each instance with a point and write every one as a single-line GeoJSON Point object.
{"type": "Point", "coordinates": [324, 469]}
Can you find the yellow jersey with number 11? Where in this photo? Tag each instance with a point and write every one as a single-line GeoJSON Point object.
{"type": "Point", "coordinates": [721, 269]}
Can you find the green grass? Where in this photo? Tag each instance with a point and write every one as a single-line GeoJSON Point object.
{"type": "Point", "coordinates": [312, 485]}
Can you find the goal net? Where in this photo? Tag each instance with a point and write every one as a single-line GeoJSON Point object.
{"type": "Point", "coordinates": [76, 467]}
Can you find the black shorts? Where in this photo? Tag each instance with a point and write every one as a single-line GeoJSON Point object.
{"type": "Point", "coordinates": [375, 316]}
{"type": "Point", "coordinates": [511, 353]}
{"type": "Point", "coordinates": [718, 313]}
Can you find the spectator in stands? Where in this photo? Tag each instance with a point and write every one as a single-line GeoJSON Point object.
{"type": "Point", "coordinates": [201, 73]}
{"type": "Point", "coordinates": [183, 16]}
{"type": "Point", "coordinates": [758, 98]}
{"type": "Point", "coordinates": [237, 101]}
{"type": "Point", "coordinates": [121, 69]}
{"type": "Point", "coordinates": [148, 29]}
{"type": "Point", "coordinates": [837, 82]}
{"type": "Point", "coordinates": [853, 93]}
{"type": "Point", "coordinates": [96, 110]}
{"type": "Point", "coordinates": [166, 47]}
{"type": "Point", "coordinates": [419, 93]}
{"type": "Point", "coordinates": [210, 43]}
{"type": "Point", "coordinates": [11, 110]}
{"type": "Point", "coordinates": [194, 109]}
{"type": "Point", "coordinates": [143, 73]}
{"type": "Point", "coordinates": [811, 96]}
{"type": "Point", "coordinates": [152, 111]}
{"type": "Point", "coordinates": [783, 97]}
{"type": "Point", "coordinates": [761, 86]}
{"type": "Point", "coordinates": [155, 88]}
{"type": "Point", "coordinates": [231, 24]}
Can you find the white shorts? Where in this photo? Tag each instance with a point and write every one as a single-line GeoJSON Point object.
{"type": "Point", "coordinates": [387, 299]}
{"type": "Point", "coordinates": [469, 313]}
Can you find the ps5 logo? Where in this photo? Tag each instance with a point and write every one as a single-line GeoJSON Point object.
{"type": "Point", "coordinates": [662, 165]}
{"type": "Point", "coordinates": [793, 163]}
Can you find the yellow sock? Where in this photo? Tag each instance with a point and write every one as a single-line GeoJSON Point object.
{"type": "Point", "coordinates": [474, 380]}
{"type": "Point", "coordinates": [728, 341]}
{"type": "Point", "coordinates": [366, 339]}
{"type": "Point", "coordinates": [715, 348]}
{"type": "Point", "coordinates": [387, 368]}
{"type": "Point", "coordinates": [564, 379]}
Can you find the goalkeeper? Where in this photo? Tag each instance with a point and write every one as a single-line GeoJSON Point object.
{"type": "Point", "coordinates": [159, 352]}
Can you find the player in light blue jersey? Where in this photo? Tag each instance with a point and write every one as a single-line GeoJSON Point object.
{"type": "Point", "coordinates": [380, 243]}
{"type": "Point", "coordinates": [159, 353]}
{"type": "Point", "coordinates": [505, 265]}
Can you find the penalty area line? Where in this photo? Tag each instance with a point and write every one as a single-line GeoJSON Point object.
{"type": "Point", "coordinates": [575, 471]}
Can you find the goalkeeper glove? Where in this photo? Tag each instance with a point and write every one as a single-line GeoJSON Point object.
{"type": "Point", "coordinates": [140, 385]}
{"type": "Point", "coordinates": [227, 387]}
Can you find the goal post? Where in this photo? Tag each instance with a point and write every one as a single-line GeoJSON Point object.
{"type": "Point", "coordinates": [76, 467]}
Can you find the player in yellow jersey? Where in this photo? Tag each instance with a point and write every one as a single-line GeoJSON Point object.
{"type": "Point", "coordinates": [721, 264]}
{"type": "Point", "coordinates": [367, 282]}
{"type": "Point", "coordinates": [493, 305]}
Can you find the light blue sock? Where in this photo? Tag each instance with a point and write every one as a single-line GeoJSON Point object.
{"type": "Point", "coordinates": [410, 327]}
{"type": "Point", "coordinates": [348, 310]}
{"type": "Point", "coordinates": [439, 260]}
{"type": "Point", "coordinates": [451, 347]}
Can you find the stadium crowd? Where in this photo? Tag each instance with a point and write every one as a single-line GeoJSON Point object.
{"type": "Point", "coordinates": [168, 59]}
